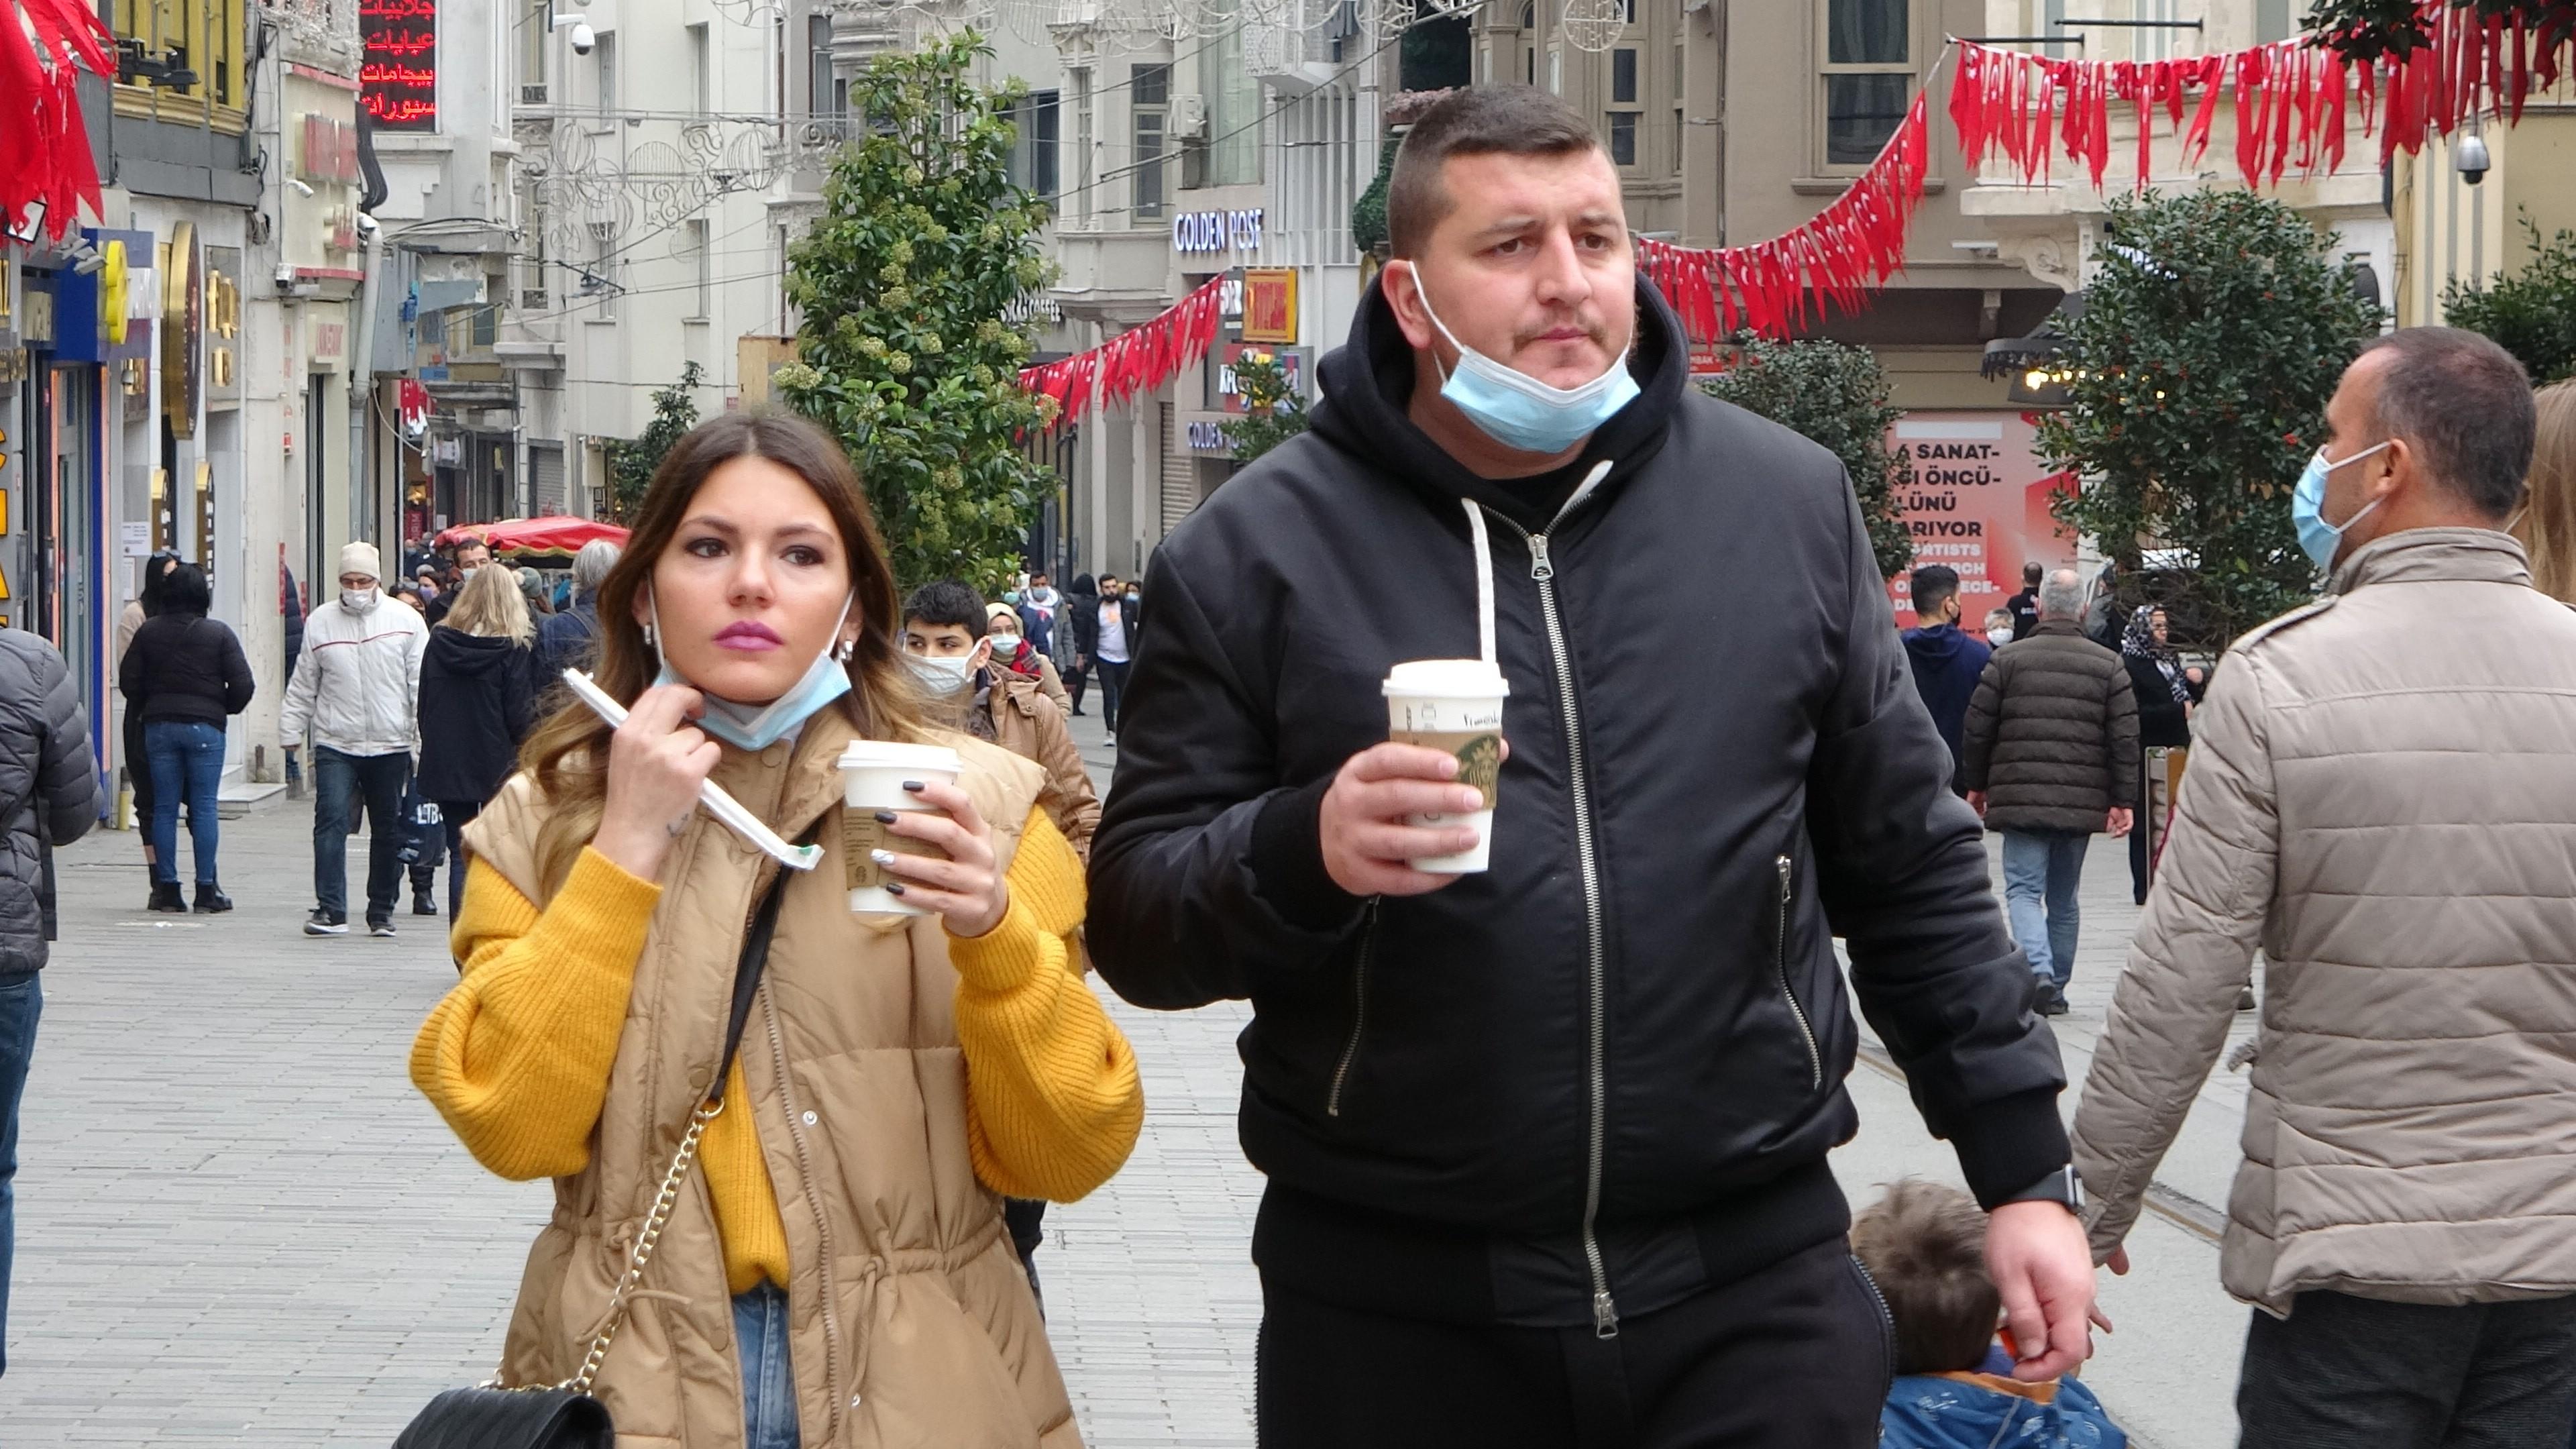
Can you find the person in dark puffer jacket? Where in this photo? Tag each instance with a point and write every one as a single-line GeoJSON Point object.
{"type": "Point", "coordinates": [50, 785]}
{"type": "Point", "coordinates": [185, 676]}
{"type": "Point", "coordinates": [478, 691]}
{"type": "Point", "coordinates": [2050, 756]}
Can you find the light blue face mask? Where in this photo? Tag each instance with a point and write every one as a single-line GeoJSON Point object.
{"type": "Point", "coordinates": [1519, 411]}
{"type": "Point", "coordinates": [2317, 537]}
{"type": "Point", "coordinates": [755, 727]}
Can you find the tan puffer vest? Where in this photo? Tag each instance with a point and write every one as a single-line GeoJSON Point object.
{"type": "Point", "coordinates": [911, 1323]}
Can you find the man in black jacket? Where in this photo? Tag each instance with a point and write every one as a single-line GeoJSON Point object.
{"type": "Point", "coordinates": [1546, 1144]}
{"type": "Point", "coordinates": [48, 797]}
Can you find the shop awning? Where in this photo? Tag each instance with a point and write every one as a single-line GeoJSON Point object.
{"type": "Point", "coordinates": [533, 538]}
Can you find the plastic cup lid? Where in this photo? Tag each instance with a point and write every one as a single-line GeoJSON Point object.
{"type": "Point", "coordinates": [893, 755]}
{"type": "Point", "coordinates": [1446, 679]}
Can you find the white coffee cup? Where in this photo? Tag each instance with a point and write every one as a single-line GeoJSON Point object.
{"type": "Point", "coordinates": [873, 774]}
{"type": "Point", "coordinates": [1453, 705]}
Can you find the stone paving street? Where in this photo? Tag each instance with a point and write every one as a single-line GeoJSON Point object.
{"type": "Point", "coordinates": [238, 1225]}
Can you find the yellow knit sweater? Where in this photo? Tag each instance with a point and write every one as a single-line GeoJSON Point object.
{"type": "Point", "coordinates": [516, 1058]}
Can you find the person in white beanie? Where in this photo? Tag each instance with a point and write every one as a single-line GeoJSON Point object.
{"type": "Point", "coordinates": [356, 689]}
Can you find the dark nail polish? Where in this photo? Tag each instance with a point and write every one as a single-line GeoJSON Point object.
{"type": "Point", "coordinates": [885, 817]}
{"type": "Point", "coordinates": [894, 887]}
{"type": "Point", "coordinates": [913, 785]}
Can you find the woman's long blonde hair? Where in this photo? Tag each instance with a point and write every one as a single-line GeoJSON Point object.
{"type": "Point", "coordinates": [568, 753]}
{"type": "Point", "coordinates": [489, 605]}
{"type": "Point", "coordinates": [2548, 525]}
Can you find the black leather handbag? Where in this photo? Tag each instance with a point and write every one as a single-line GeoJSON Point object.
{"type": "Point", "coordinates": [564, 1415]}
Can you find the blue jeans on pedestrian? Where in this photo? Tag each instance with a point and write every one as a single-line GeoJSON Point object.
{"type": "Point", "coordinates": [768, 1381]}
{"type": "Point", "coordinates": [339, 781]}
{"type": "Point", "coordinates": [21, 1002]}
{"type": "Point", "coordinates": [187, 764]}
{"type": "Point", "coordinates": [2041, 872]}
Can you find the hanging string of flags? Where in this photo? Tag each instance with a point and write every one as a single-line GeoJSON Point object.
{"type": "Point", "coordinates": [1140, 359]}
{"type": "Point", "coordinates": [2295, 110]}
{"type": "Point", "coordinates": [45, 166]}
{"type": "Point", "coordinates": [1847, 250]}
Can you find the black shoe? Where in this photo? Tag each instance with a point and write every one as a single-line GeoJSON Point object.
{"type": "Point", "coordinates": [1077, 712]}
{"type": "Point", "coordinates": [166, 899]}
{"type": "Point", "coordinates": [326, 923]}
{"type": "Point", "coordinates": [211, 900]}
{"type": "Point", "coordinates": [2050, 1003]}
{"type": "Point", "coordinates": [422, 905]}
{"type": "Point", "coordinates": [382, 926]}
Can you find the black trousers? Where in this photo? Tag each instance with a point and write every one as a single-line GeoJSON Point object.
{"type": "Point", "coordinates": [2359, 1373]}
{"type": "Point", "coordinates": [1113, 683]}
{"type": "Point", "coordinates": [1795, 1357]}
{"type": "Point", "coordinates": [1077, 678]}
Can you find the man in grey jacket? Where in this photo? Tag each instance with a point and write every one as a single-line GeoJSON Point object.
{"type": "Point", "coordinates": [357, 688]}
{"type": "Point", "coordinates": [2383, 796]}
{"type": "Point", "coordinates": [49, 793]}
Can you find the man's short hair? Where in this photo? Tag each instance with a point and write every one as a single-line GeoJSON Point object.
{"type": "Point", "coordinates": [1484, 121]}
{"type": "Point", "coordinates": [1934, 585]}
{"type": "Point", "coordinates": [592, 564]}
{"type": "Point", "coordinates": [2062, 597]}
{"type": "Point", "coordinates": [947, 602]}
{"type": "Point", "coordinates": [1925, 1246]}
{"type": "Point", "coordinates": [2464, 405]}
{"type": "Point", "coordinates": [471, 540]}
{"type": "Point", "coordinates": [2031, 574]}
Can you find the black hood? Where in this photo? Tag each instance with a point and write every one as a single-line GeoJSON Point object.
{"type": "Point", "coordinates": [1368, 384]}
{"type": "Point", "coordinates": [471, 655]}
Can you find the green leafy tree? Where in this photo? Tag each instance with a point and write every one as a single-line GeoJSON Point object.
{"type": "Point", "coordinates": [1836, 396]}
{"type": "Point", "coordinates": [2531, 314]}
{"type": "Point", "coordinates": [2212, 336]}
{"type": "Point", "coordinates": [1272, 411]}
{"type": "Point", "coordinates": [905, 282]}
{"type": "Point", "coordinates": [631, 465]}
{"type": "Point", "coordinates": [2366, 29]}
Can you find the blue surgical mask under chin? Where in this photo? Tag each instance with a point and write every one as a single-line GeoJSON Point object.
{"type": "Point", "coordinates": [755, 727]}
{"type": "Point", "coordinates": [2318, 538]}
{"type": "Point", "coordinates": [1519, 411]}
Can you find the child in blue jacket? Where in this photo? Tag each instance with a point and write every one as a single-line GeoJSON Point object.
{"type": "Point", "coordinates": [1925, 1246]}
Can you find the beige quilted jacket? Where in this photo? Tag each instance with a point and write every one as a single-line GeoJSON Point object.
{"type": "Point", "coordinates": [2383, 794]}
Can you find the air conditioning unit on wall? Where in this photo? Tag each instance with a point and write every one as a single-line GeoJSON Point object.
{"type": "Point", "coordinates": [1189, 117]}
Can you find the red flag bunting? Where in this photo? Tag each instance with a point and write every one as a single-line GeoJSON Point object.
{"type": "Point", "coordinates": [1138, 360]}
{"type": "Point", "coordinates": [44, 146]}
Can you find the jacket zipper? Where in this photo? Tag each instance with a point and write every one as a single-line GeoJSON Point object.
{"type": "Point", "coordinates": [822, 1224]}
{"type": "Point", "coordinates": [1605, 1312]}
{"type": "Point", "coordinates": [1780, 966]}
{"type": "Point", "coordinates": [1886, 1319]}
{"type": "Point", "coordinates": [1359, 1009]}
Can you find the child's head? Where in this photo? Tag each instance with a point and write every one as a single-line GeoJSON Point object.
{"type": "Point", "coordinates": [1925, 1245]}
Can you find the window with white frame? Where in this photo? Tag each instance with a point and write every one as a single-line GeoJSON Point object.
{"type": "Point", "coordinates": [695, 252]}
{"type": "Point", "coordinates": [702, 78]}
{"type": "Point", "coordinates": [604, 54]}
{"type": "Point", "coordinates": [1148, 111]}
{"type": "Point", "coordinates": [1868, 80]}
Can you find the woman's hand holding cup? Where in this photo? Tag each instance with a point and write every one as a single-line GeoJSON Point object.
{"type": "Point", "coordinates": [656, 762]}
{"type": "Point", "coordinates": [965, 889]}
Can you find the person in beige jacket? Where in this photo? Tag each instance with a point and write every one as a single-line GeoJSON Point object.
{"type": "Point", "coordinates": [2383, 797]}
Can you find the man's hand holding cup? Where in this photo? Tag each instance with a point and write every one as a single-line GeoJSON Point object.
{"type": "Point", "coordinates": [1370, 840]}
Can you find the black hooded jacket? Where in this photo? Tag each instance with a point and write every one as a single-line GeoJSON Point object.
{"type": "Point", "coordinates": [1634, 1020]}
{"type": "Point", "coordinates": [477, 700]}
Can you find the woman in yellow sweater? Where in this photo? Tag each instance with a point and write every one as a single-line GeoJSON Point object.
{"type": "Point", "coordinates": [835, 1272]}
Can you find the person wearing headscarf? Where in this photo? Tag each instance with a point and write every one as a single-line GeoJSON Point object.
{"type": "Point", "coordinates": [2164, 730]}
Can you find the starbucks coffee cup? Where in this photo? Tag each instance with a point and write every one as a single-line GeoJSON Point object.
{"type": "Point", "coordinates": [1455, 706]}
{"type": "Point", "coordinates": [873, 773]}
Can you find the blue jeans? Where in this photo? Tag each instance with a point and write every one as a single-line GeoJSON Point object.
{"type": "Point", "coordinates": [338, 782]}
{"type": "Point", "coordinates": [21, 1002]}
{"type": "Point", "coordinates": [768, 1382]}
{"type": "Point", "coordinates": [187, 764]}
{"type": "Point", "coordinates": [2041, 872]}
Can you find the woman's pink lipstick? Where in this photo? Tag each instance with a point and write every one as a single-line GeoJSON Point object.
{"type": "Point", "coordinates": [750, 636]}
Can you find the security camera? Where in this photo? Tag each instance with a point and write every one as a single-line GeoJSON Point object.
{"type": "Point", "coordinates": [2472, 161]}
{"type": "Point", "coordinates": [300, 188]}
{"type": "Point", "coordinates": [583, 40]}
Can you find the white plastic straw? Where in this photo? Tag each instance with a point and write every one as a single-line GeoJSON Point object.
{"type": "Point", "coordinates": [710, 794]}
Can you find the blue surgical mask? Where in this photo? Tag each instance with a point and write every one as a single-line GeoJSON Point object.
{"type": "Point", "coordinates": [756, 727]}
{"type": "Point", "coordinates": [1519, 411]}
{"type": "Point", "coordinates": [2317, 537]}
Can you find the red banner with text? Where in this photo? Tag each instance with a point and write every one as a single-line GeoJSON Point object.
{"type": "Point", "coordinates": [1980, 504]}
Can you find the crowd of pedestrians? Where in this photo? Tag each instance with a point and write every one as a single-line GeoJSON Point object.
{"type": "Point", "coordinates": [1553, 987]}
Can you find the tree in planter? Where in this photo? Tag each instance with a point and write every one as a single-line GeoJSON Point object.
{"type": "Point", "coordinates": [631, 465]}
{"type": "Point", "coordinates": [2212, 336]}
{"type": "Point", "coordinates": [1835, 396]}
{"type": "Point", "coordinates": [1272, 411]}
{"type": "Point", "coordinates": [2531, 314]}
{"type": "Point", "coordinates": [904, 283]}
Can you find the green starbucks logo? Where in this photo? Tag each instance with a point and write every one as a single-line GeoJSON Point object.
{"type": "Point", "coordinates": [1480, 763]}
